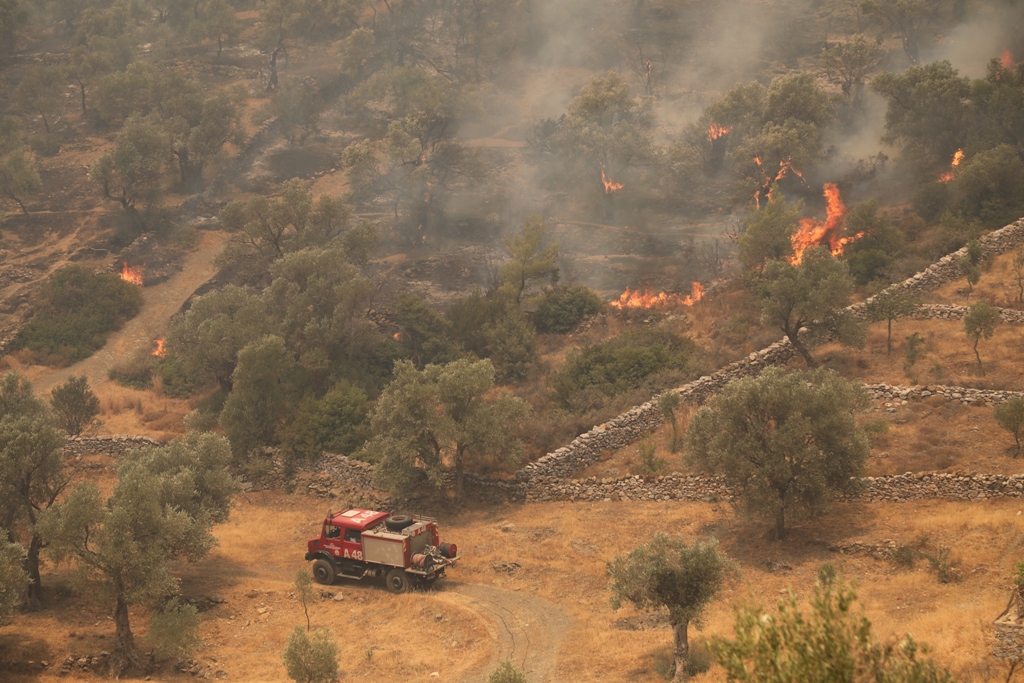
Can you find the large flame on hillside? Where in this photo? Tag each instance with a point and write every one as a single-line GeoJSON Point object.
{"type": "Point", "coordinates": [648, 299]}
{"type": "Point", "coordinates": [1006, 59]}
{"type": "Point", "coordinates": [812, 233]}
{"type": "Point", "coordinates": [132, 275]}
{"type": "Point", "coordinates": [159, 351]}
{"type": "Point", "coordinates": [958, 156]}
{"type": "Point", "coordinates": [716, 131]}
{"type": "Point", "coordinates": [610, 185]}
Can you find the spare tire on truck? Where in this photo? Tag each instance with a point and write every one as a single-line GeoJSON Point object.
{"type": "Point", "coordinates": [397, 522]}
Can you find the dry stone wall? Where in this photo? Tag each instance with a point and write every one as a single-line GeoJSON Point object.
{"type": "Point", "coordinates": [630, 426]}
{"type": "Point", "coordinates": [109, 445]}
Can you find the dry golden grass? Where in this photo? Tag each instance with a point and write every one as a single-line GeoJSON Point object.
{"type": "Point", "coordinates": [998, 286]}
{"type": "Point", "coordinates": [948, 356]}
{"type": "Point", "coordinates": [562, 549]}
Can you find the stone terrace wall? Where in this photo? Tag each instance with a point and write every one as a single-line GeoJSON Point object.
{"type": "Point", "coordinates": [954, 312]}
{"type": "Point", "coordinates": [110, 445]}
{"type": "Point", "coordinates": [966, 395]}
{"type": "Point", "coordinates": [626, 428]}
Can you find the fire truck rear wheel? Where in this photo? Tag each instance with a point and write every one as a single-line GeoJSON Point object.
{"type": "Point", "coordinates": [398, 581]}
{"type": "Point", "coordinates": [323, 572]}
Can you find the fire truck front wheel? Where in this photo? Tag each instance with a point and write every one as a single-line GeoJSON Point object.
{"type": "Point", "coordinates": [397, 581]}
{"type": "Point", "coordinates": [323, 572]}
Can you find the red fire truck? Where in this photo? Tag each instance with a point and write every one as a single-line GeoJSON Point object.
{"type": "Point", "coordinates": [357, 544]}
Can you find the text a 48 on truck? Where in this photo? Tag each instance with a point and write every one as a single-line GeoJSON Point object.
{"type": "Point", "coordinates": [357, 544]}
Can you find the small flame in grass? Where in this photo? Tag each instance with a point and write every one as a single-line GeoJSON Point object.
{"type": "Point", "coordinates": [958, 156]}
{"type": "Point", "coordinates": [397, 336]}
{"type": "Point", "coordinates": [159, 351]}
{"type": "Point", "coordinates": [610, 185]}
{"type": "Point", "coordinates": [716, 131]}
{"type": "Point", "coordinates": [812, 233]}
{"type": "Point", "coordinates": [1006, 59]}
{"type": "Point", "coordinates": [647, 299]}
{"type": "Point", "coordinates": [132, 275]}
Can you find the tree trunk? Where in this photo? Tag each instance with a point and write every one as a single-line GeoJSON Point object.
{"type": "Point", "coordinates": [780, 523]}
{"type": "Point", "coordinates": [46, 124]}
{"type": "Point", "coordinates": [22, 205]}
{"type": "Point", "coordinates": [460, 475]}
{"type": "Point", "coordinates": [81, 89]}
{"type": "Point", "coordinates": [33, 593]}
{"type": "Point", "coordinates": [124, 656]}
{"type": "Point", "coordinates": [981, 370]}
{"type": "Point", "coordinates": [794, 339]}
{"type": "Point", "coordinates": [681, 651]}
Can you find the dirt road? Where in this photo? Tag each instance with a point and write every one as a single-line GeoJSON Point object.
{"type": "Point", "coordinates": [524, 628]}
{"type": "Point", "coordinates": [159, 303]}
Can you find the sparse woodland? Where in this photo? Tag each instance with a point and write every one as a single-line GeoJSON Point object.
{"type": "Point", "coordinates": [446, 237]}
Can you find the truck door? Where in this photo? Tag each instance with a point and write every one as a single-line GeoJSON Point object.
{"type": "Point", "coordinates": [332, 540]}
{"type": "Point", "coordinates": [352, 545]}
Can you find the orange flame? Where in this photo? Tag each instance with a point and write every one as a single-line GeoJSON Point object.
{"type": "Point", "coordinates": [397, 336]}
{"type": "Point", "coordinates": [648, 299]}
{"type": "Point", "coordinates": [716, 131]}
{"type": "Point", "coordinates": [812, 233]}
{"type": "Point", "coordinates": [958, 156]}
{"type": "Point", "coordinates": [1006, 59]}
{"type": "Point", "coordinates": [159, 352]}
{"type": "Point", "coordinates": [132, 275]}
{"type": "Point", "coordinates": [785, 168]}
{"type": "Point", "coordinates": [609, 184]}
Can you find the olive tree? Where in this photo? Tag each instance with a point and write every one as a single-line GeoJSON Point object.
{"type": "Point", "coordinates": [529, 259]}
{"type": "Point", "coordinates": [1010, 416]}
{"type": "Point", "coordinates": [829, 644]}
{"type": "Point", "coordinates": [890, 305]}
{"type": "Point", "coordinates": [808, 295]}
{"type": "Point", "coordinates": [787, 441]}
{"type": "Point", "coordinates": [666, 572]}
{"type": "Point", "coordinates": [429, 423]}
{"type": "Point", "coordinates": [32, 470]}
{"type": "Point", "coordinates": [131, 172]}
{"type": "Point", "coordinates": [980, 323]}
{"type": "Point", "coordinates": [75, 405]}
{"type": "Point", "coordinates": [161, 511]}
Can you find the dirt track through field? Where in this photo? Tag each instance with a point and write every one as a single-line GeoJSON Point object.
{"type": "Point", "coordinates": [159, 303]}
{"type": "Point", "coordinates": [525, 628]}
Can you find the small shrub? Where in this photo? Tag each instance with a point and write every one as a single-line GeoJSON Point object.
{"type": "Point", "coordinates": [174, 630]}
{"type": "Point", "coordinates": [135, 372]}
{"type": "Point", "coordinates": [507, 672]}
{"type": "Point", "coordinates": [336, 423]}
{"type": "Point", "coordinates": [904, 556]}
{"type": "Point", "coordinates": [912, 353]}
{"type": "Point", "coordinates": [45, 144]}
{"type": "Point", "coordinates": [875, 429]}
{"type": "Point", "coordinates": [174, 381]}
{"type": "Point", "coordinates": [562, 309]}
{"type": "Point", "coordinates": [664, 663]}
{"type": "Point", "coordinates": [947, 567]}
{"type": "Point", "coordinates": [1010, 416]}
{"type": "Point", "coordinates": [198, 421]}
{"type": "Point", "coordinates": [311, 660]}
{"type": "Point", "coordinates": [649, 462]}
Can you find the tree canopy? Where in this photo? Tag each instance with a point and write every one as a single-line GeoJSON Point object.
{"type": "Point", "coordinates": [788, 441]}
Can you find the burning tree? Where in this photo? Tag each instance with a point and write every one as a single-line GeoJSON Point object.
{"type": "Point", "coordinates": [807, 296]}
{"type": "Point", "coordinates": [788, 441]}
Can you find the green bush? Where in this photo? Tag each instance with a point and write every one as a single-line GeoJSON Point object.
{"type": "Point", "coordinates": [174, 630]}
{"type": "Point", "coordinates": [174, 381]}
{"type": "Point", "coordinates": [563, 308]}
{"type": "Point", "coordinates": [135, 372]}
{"type": "Point", "coordinates": [336, 423]}
{"type": "Point", "coordinates": [75, 312]}
{"type": "Point", "coordinates": [506, 672]}
{"type": "Point", "coordinates": [649, 461]}
{"type": "Point", "coordinates": [620, 364]}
